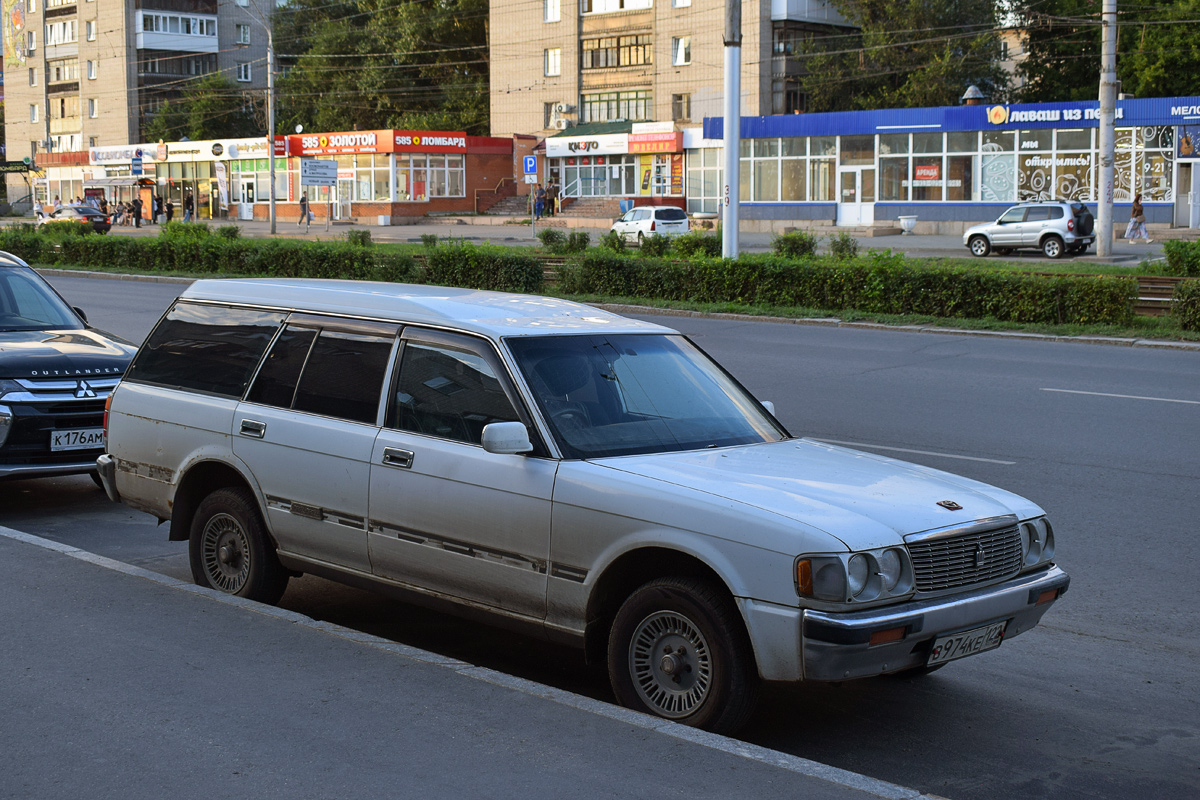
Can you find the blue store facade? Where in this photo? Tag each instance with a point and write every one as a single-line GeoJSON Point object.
{"type": "Point", "coordinates": [952, 166]}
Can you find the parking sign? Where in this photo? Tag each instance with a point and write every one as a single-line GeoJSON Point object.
{"type": "Point", "coordinates": [530, 165]}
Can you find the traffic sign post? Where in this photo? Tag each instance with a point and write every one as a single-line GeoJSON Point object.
{"type": "Point", "coordinates": [318, 172]}
{"type": "Point", "coordinates": [531, 179]}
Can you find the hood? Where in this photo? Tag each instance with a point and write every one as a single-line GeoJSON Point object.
{"type": "Point", "coordinates": [862, 499]}
{"type": "Point", "coordinates": [66, 353]}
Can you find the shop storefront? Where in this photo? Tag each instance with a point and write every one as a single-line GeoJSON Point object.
{"type": "Point", "coordinates": [640, 162]}
{"type": "Point", "coordinates": [950, 166]}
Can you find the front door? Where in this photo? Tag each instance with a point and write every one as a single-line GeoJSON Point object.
{"type": "Point", "coordinates": [246, 199]}
{"type": "Point", "coordinates": [1185, 198]}
{"type": "Point", "coordinates": [856, 196]}
{"type": "Point", "coordinates": [345, 195]}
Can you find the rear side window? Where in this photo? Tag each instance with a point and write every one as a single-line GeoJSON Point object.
{"type": "Point", "coordinates": [671, 214]}
{"type": "Point", "coordinates": [210, 349]}
{"type": "Point", "coordinates": [1039, 213]}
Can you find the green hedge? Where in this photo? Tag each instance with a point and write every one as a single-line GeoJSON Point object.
{"type": "Point", "coordinates": [1183, 258]}
{"type": "Point", "coordinates": [484, 267]}
{"type": "Point", "coordinates": [1187, 305]}
{"type": "Point", "coordinates": [878, 283]}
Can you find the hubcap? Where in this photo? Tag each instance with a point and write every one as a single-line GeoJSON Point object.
{"type": "Point", "coordinates": [671, 664]}
{"type": "Point", "coordinates": [225, 549]}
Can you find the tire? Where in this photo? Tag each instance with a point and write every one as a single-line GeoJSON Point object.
{"type": "Point", "coordinates": [1052, 247]}
{"type": "Point", "coordinates": [980, 246]}
{"type": "Point", "coordinates": [677, 649]}
{"type": "Point", "coordinates": [230, 551]}
{"type": "Point", "coordinates": [641, 238]}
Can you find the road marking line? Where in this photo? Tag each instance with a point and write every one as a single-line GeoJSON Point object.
{"type": "Point", "coordinates": [1125, 396]}
{"type": "Point", "coordinates": [918, 452]}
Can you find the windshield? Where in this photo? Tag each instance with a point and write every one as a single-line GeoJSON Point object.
{"type": "Point", "coordinates": [28, 304]}
{"type": "Point", "coordinates": [634, 394]}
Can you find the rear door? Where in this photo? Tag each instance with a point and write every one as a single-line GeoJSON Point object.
{"type": "Point", "coordinates": [1038, 221]}
{"type": "Point", "coordinates": [671, 221]}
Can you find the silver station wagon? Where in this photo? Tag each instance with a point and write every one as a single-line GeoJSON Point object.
{"type": "Point", "coordinates": [588, 478]}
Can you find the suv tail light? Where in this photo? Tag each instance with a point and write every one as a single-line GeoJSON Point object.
{"type": "Point", "coordinates": [652, 224]}
{"type": "Point", "coordinates": [107, 403]}
{"type": "Point", "coordinates": [1071, 224]}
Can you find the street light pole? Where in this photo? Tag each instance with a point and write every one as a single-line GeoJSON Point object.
{"type": "Point", "coordinates": [1108, 116]}
{"type": "Point", "coordinates": [271, 121]}
{"type": "Point", "coordinates": [733, 129]}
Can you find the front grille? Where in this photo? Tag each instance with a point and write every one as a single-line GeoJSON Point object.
{"type": "Point", "coordinates": [45, 405]}
{"type": "Point", "coordinates": [969, 558]}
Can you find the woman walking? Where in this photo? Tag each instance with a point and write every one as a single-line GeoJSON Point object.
{"type": "Point", "coordinates": [1137, 222]}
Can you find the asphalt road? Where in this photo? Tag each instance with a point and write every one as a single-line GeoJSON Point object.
{"type": "Point", "coordinates": [1099, 701]}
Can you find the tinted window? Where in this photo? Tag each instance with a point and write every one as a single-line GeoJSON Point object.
{"type": "Point", "coordinates": [671, 214]}
{"type": "Point", "coordinates": [343, 376]}
{"type": "Point", "coordinates": [205, 348]}
{"type": "Point", "coordinates": [28, 304]}
{"type": "Point", "coordinates": [1038, 213]}
{"type": "Point", "coordinates": [280, 372]}
{"type": "Point", "coordinates": [448, 392]}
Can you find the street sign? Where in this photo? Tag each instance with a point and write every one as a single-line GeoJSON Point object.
{"type": "Point", "coordinates": [530, 166]}
{"type": "Point", "coordinates": [531, 178]}
{"type": "Point", "coordinates": [14, 166]}
{"type": "Point", "coordinates": [135, 166]}
{"type": "Point", "coordinates": [317, 172]}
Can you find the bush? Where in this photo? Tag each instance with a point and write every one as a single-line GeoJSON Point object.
{"type": "Point", "coordinates": [1183, 259]}
{"type": "Point", "coordinates": [696, 243]}
{"type": "Point", "coordinates": [552, 239]}
{"type": "Point", "coordinates": [577, 241]}
{"type": "Point", "coordinates": [229, 232]}
{"type": "Point", "coordinates": [429, 240]}
{"type": "Point", "coordinates": [476, 267]}
{"type": "Point", "coordinates": [613, 241]}
{"type": "Point", "coordinates": [1187, 305]}
{"type": "Point", "coordinates": [797, 244]}
{"type": "Point", "coordinates": [189, 231]}
{"type": "Point", "coordinates": [64, 230]}
{"type": "Point", "coordinates": [843, 247]}
{"type": "Point", "coordinates": [656, 245]}
{"type": "Point", "coordinates": [359, 237]}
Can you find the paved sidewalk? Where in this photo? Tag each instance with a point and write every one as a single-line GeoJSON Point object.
{"type": "Point", "coordinates": [117, 682]}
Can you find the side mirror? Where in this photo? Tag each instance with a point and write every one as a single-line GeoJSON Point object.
{"type": "Point", "coordinates": [79, 311]}
{"type": "Point", "coordinates": [507, 438]}
{"type": "Point", "coordinates": [769, 406]}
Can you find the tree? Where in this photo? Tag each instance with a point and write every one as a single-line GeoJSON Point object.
{"type": "Point", "coordinates": [1160, 57]}
{"type": "Point", "coordinates": [902, 55]}
{"type": "Point", "coordinates": [211, 108]}
{"type": "Point", "coordinates": [367, 64]}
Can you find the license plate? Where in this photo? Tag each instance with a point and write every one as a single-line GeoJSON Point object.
{"type": "Point", "coordinates": [77, 439]}
{"type": "Point", "coordinates": [967, 643]}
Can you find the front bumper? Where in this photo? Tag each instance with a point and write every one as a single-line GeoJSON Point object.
{"type": "Point", "coordinates": [836, 646]}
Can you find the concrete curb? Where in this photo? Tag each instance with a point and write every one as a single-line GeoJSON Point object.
{"type": "Point", "coordinates": [762, 755]}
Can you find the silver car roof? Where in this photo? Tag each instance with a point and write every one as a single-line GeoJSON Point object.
{"type": "Point", "coordinates": [493, 314]}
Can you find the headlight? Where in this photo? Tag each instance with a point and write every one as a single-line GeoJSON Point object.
{"type": "Point", "coordinates": [5, 423]}
{"type": "Point", "coordinates": [7, 386]}
{"type": "Point", "coordinates": [859, 571]}
{"type": "Point", "coordinates": [855, 577]}
{"type": "Point", "coordinates": [1037, 541]}
{"type": "Point", "coordinates": [890, 568]}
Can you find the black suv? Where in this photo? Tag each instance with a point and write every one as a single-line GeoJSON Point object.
{"type": "Point", "coordinates": [56, 373]}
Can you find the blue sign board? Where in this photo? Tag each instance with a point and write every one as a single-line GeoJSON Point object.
{"type": "Point", "coordinates": [530, 165]}
{"type": "Point", "coordinates": [135, 166]}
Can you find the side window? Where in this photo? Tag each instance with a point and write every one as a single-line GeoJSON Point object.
{"type": "Point", "coordinates": [447, 392]}
{"type": "Point", "coordinates": [1037, 214]}
{"type": "Point", "coordinates": [1013, 215]}
{"type": "Point", "coordinates": [1056, 212]}
{"type": "Point", "coordinates": [344, 375]}
{"type": "Point", "coordinates": [279, 374]}
{"type": "Point", "coordinates": [205, 348]}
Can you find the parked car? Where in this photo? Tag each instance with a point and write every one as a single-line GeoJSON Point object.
{"type": "Point", "coordinates": [83, 214]}
{"type": "Point", "coordinates": [638, 223]}
{"type": "Point", "coordinates": [594, 480]}
{"type": "Point", "coordinates": [56, 373]}
{"type": "Point", "coordinates": [1056, 228]}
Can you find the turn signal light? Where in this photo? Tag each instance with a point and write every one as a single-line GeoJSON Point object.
{"type": "Point", "coordinates": [804, 582]}
{"type": "Point", "coordinates": [1047, 596]}
{"type": "Point", "coordinates": [889, 635]}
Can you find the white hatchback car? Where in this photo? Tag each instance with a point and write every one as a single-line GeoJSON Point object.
{"type": "Point", "coordinates": [640, 223]}
{"type": "Point", "coordinates": [590, 479]}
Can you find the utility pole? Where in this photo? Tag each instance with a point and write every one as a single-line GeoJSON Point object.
{"type": "Point", "coordinates": [733, 128]}
{"type": "Point", "coordinates": [1108, 118]}
{"type": "Point", "coordinates": [271, 118]}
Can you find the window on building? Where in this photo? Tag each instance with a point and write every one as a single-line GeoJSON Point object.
{"type": "Point", "coordinates": [553, 61]}
{"type": "Point", "coordinates": [63, 32]}
{"type": "Point", "coordinates": [608, 6]}
{"type": "Point", "coordinates": [636, 105]}
{"type": "Point", "coordinates": [681, 51]}
{"type": "Point", "coordinates": [786, 39]}
{"type": "Point", "coordinates": [33, 112]}
{"type": "Point", "coordinates": [32, 41]}
{"type": "Point", "coordinates": [786, 97]}
{"type": "Point", "coordinates": [551, 11]}
{"type": "Point", "coordinates": [243, 34]}
{"type": "Point", "coordinates": [681, 107]}
{"type": "Point", "coordinates": [243, 3]}
{"type": "Point", "coordinates": [681, 3]}
{"type": "Point", "coordinates": [91, 70]}
{"type": "Point", "coordinates": [92, 139]}
{"type": "Point", "coordinates": [1004, 51]}
{"type": "Point", "coordinates": [92, 110]}
{"type": "Point", "coordinates": [90, 30]}
{"type": "Point", "coordinates": [548, 114]}
{"type": "Point", "coordinates": [243, 72]}
{"type": "Point", "coordinates": [33, 76]}
{"type": "Point", "coordinates": [63, 69]}
{"type": "Point", "coordinates": [617, 51]}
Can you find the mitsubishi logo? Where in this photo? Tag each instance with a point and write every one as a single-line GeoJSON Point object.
{"type": "Point", "coordinates": [83, 390]}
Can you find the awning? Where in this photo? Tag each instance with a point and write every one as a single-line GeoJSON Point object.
{"type": "Point", "coordinates": [125, 181]}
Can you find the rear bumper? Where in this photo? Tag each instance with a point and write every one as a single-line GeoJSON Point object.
{"type": "Point", "coordinates": [106, 467]}
{"type": "Point", "coordinates": [836, 646]}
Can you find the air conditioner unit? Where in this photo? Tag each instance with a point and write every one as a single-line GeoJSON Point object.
{"type": "Point", "coordinates": [562, 124]}
{"type": "Point", "coordinates": [564, 108]}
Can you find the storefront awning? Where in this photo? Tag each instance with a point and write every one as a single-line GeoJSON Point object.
{"type": "Point", "coordinates": [123, 181]}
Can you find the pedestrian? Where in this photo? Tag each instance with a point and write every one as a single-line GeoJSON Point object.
{"type": "Point", "coordinates": [137, 212]}
{"type": "Point", "coordinates": [57, 203]}
{"type": "Point", "coordinates": [189, 206]}
{"type": "Point", "coordinates": [170, 209]}
{"type": "Point", "coordinates": [539, 202]}
{"type": "Point", "coordinates": [304, 215]}
{"type": "Point", "coordinates": [158, 208]}
{"type": "Point", "coordinates": [1137, 222]}
{"type": "Point", "coordinates": [104, 206]}
{"type": "Point", "coordinates": [118, 214]}
{"type": "Point", "coordinates": [552, 199]}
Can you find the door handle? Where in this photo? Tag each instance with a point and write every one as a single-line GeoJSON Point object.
{"type": "Point", "coordinates": [394, 457]}
{"type": "Point", "coordinates": [254, 429]}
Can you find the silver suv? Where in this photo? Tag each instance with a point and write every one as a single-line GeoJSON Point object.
{"type": "Point", "coordinates": [1056, 228]}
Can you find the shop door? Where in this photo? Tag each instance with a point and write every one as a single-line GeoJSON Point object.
{"type": "Point", "coordinates": [856, 196]}
{"type": "Point", "coordinates": [660, 184]}
{"type": "Point", "coordinates": [345, 195]}
{"type": "Point", "coordinates": [1185, 198]}
{"type": "Point", "coordinates": [246, 199]}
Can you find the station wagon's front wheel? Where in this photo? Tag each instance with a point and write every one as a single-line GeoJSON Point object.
{"type": "Point", "coordinates": [230, 551]}
{"type": "Point", "coordinates": [677, 649]}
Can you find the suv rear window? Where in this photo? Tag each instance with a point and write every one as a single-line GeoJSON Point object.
{"type": "Point", "coordinates": [671, 214]}
{"type": "Point", "coordinates": [204, 348]}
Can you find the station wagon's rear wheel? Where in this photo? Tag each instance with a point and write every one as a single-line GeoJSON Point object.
{"type": "Point", "coordinates": [230, 550]}
{"type": "Point", "coordinates": [677, 649]}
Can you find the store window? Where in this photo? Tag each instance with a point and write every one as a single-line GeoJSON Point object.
{"type": "Point", "coordinates": [703, 180]}
{"type": "Point", "coordinates": [998, 167]}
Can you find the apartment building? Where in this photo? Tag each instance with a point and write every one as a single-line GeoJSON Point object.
{"type": "Point", "coordinates": [91, 73]}
{"type": "Point", "coordinates": [556, 64]}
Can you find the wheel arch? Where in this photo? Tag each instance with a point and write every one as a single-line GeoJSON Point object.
{"type": "Point", "coordinates": [202, 479]}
